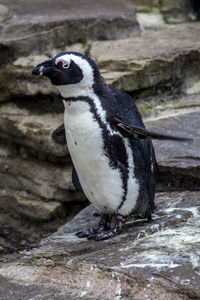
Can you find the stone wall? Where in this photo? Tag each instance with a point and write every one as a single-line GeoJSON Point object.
{"type": "Point", "coordinates": [159, 67]}
{"type": "Point", "coordinates": [30, 160]}
{"type": "Point", "coordinates": [35, 172]}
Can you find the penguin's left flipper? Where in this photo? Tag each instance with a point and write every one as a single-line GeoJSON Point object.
{"type": "Point", "coordinates": [143, 133]}
{"type": "Point", "coordinates": [58, 135]}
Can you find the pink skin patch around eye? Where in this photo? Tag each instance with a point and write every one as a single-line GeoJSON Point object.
{"type": "Point", "coordinates": [64, 62]}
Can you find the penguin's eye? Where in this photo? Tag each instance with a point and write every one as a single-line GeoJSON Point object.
{"type": "Point", "coordinates": [65, 65]}
{"type": "Point", "coordinates": [62, 63]}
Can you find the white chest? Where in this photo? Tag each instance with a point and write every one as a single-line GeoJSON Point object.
{"type": "Point", "coordinates": [101, 184]}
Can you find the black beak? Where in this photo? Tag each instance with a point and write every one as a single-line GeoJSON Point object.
{"type": "Point", "coordinates": [44, 68]}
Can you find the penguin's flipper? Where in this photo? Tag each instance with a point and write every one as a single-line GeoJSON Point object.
{"type": "Point", "coordinates": [58, 135]}
{"type": "Point", "coordinates": [143, 133]}
{"type": "Point", "coordinates": [76, 181]}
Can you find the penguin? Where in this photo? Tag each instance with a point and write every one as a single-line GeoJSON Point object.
{"type": "Point", "coordinates": [112, 151]}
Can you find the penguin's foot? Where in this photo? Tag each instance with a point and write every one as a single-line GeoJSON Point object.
{"type": "Point", "coordinates": [104, 225]}
{"type": "Point", "coordinates": [106, 234]}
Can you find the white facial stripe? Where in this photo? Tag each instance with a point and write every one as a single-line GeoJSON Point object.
{"type": "Point", "coordinates": [59, 59]}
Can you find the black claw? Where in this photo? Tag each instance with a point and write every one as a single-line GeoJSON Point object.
{"type": "Point", "coordinates": [102, 238]}
{"type": "Point", "coordinates": [97, 214]}
{"type": "Point", "coordinates": [86, 232]}
{"type": "Point", "coordinates": [92, 237]}
{"type": "Point", "coordinates": [81, 234]}
{"type": "Point", "coordinates": [104, 235]}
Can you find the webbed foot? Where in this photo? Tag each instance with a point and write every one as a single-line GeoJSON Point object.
{"type": "Point", "coordinates": [102, 232]}
{"type": "Point", "coordinates": [104, 224]}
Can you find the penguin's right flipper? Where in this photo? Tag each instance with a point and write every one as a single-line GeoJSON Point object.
{"type": "Point", "coordinates": [58, 135]}
{"type": "Point", "coordinates": [76, 181]}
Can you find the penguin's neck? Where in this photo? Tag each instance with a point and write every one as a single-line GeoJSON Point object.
{"type": "Point", "coordinates": [75, 91]}
{"type": "Point", "coordinates": [70, 94]}
{"type": "Point", "coordinates": [82, 89]}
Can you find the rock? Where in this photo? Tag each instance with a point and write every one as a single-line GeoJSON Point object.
{"type": "Point", "coordinates": [25, 219]}
{"type": "Point", "coordinates": [173, 11]}
{"type": "Point", "coordinates": [177, 11]}
{"type": "Point", "coordinates": [155, 260]}
{"type": "Point", "coordinates": [166, 57]}
{"type": "Point", "coordinates": [32, 291]}
{"type": "Point", "coordinates": [29, 38]}
{"type": "Point", "coordinates": [161, 106]}
{"type": "Point", "coordinates": [44, 179]}
{"type": "Point", "coordinates": [150, 20]}
{"type": "Point", "coordinates": [29, 206]}
{"type": "Point", "coordinates": [48, 24]}
{"type": "Point", "coordinates": [25, 127]}
{"type": "Point", "coordinates": [4, 12]}
{"type": "Point", "coordinates": [146, 5]}
{"type": "Point", "coordinates": [178, 161]}
{"type": "Point", "coordinates": [17, 79]}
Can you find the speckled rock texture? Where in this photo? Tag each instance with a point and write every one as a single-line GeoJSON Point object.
{"type": "Point", "coordinates": [158, 260]}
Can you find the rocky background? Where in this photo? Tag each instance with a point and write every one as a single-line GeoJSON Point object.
{"type": "Point", "coordinates": [149, 48]}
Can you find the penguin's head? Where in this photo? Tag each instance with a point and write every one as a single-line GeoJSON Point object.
{"type": "Point", "coordinates": [70, 69]}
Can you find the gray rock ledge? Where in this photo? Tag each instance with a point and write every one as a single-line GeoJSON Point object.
{"type": "Point", "coordinates": [158, 260]}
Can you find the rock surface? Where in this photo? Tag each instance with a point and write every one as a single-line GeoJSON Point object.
{"type": "Point", "coordinates": [169, 57]}
{"type": "Point", "coordinates": [48, 24]}
{"type": "Point", "coordinates": [24, 127]}
{"type": "Point", "coordinates": [158, 260]}
{"type": "Point", "coordinates": [172, 11]}
{"type": "Point", "coordinates": [29, 206]}
{"type": "Point", "coordinates": [178, 161]}
{"type": "Point", "coordinates": [166, 55]}
{"type": "Point", "coordinates": [43, 179]}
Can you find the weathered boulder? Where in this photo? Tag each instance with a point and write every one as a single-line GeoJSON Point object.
{"type": "Point", "coordinates": [25, 127]}
{"type": "Point", "coordinates": [29, 206]}
{"type": "Point", "coordinates": [169, 56]}
{"type": "Point", "coordinates": [172, 11]}
{"type": "Point", "coordinates": [40, 25]}
{"type": "Point", "coordinates": [177, 11]}
{"type": "Point", "coordinates": [4, 13]}
{"type": "Point", "coordinates": [25, 220]}
{"type": "Point", "coordinates": [178, 161]}
{"type": "Point", "coordinates": [158, 260]}
{"type": "Point", "coordinates": [161, 105]}
{"type": "Point", "coordinates": [41, 178]}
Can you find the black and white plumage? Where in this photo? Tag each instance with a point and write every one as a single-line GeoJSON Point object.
{"type": "Point", "coordinates": [111, 150]}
